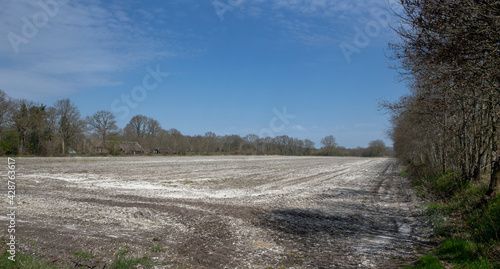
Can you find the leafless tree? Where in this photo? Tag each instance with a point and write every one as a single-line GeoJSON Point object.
{"type": "Point", "coordinates": [136, 128]}
{"type": "Point", "coordinates": [448, 52]}
{"type": "Point", "coordinates": [103, 123]}
{"type": "Point", "coordinates": [68, 122]}
{"type": "Point", "coordinates": [329, 144]}
{"type": "Point", "coordinates": [5, 109]}
{"type": "Point", "coordinates": [376, 148]}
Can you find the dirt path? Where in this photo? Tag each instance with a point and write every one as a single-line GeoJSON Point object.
{"type": "Point", "coordinates": [218, 212]}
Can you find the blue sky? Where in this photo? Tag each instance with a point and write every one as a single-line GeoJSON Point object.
{"type": "Point", "coordinates": [304, 68]}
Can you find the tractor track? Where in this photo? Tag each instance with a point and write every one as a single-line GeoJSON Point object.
{"type": "Point", "coordinates": [219, 212]}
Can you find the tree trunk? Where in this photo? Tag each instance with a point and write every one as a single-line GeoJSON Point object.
{"type": "Point", "coordinates": [494, 187]}
{"type": "Point", "coordinates": [63, 151]}
{"type": "Point", "coordinates": [20, 150]}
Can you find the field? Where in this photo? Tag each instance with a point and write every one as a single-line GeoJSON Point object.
{"type": "Point", "coordinates": [217, 212]}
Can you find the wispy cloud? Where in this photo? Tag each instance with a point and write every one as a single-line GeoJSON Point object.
{"type": "Point", "coordinates": [80, 44]}
{"type": "Point", "coordinates": [26, 84]}
{"type": "Point", "coordinates": [298, 128]}
{"type": "Point", "coordinates": [312, 22]}
{"type": "Point", "coordinates": [320, 7]}
{"type": "Point", "coordinates": [330, 8]}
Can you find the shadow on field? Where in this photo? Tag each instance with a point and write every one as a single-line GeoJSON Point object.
{"type": "Point", "coordinates": [320, 240]}
{"type": "Point", "coordinates": [310, 222]}
{"type": "Point", "coordinates": [312, 238]}
{"type": "Point", "coordinates": [366, 223]}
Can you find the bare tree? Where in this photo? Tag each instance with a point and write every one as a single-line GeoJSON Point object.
{"type": "Point", "coordinates": [143, 130]}
{"type": "Point", "coordinates": [153, 130]}
{"type": "Point", "coordinates": [448, 51]}
{"type": "Point", "coordinates": [68, 122]}
{"type": "Point", "coordinates": [328, 141]}
{"type": "Point", "coordinates": [329, 144]}
{"type": "Point", "coordinates": [103, 123]}
{"type": "Point", "coordinates": [309, 144]}
{"type": "Point", "coordinates": [5, 109]}
{"type": "Point", "coordinates": [376, 148]}
{"type": "Point", "coordinates": [136, 128]}
{"type": "Point", "coordinates": [153, 127]}
{"type": "Point", "coordinates": [251, 142]}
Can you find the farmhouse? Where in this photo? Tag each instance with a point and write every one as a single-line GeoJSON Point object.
{"type": "Point", "coordinates": [125, 147]}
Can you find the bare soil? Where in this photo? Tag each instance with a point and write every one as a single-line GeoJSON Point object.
{"type": "Point", "coordinates": [218, 212]}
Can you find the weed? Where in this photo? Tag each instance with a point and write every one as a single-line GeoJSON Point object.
{"type": "Point", "coordinates": [156, 249]}
{"type": "Point", "coordinates": [123, 251]}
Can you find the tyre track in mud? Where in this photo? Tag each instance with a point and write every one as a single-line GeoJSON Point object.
{"type": "Point", "coordinates": [322, 213]}
{"type": "Point", "coordinates": [371, 225]}
{"type": "Point", "coordinates": [392, 224]}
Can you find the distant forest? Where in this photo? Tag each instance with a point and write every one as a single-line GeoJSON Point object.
{"type": "Point", "coordinates": [29, 128]}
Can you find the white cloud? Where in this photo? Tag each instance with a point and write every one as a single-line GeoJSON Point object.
{"type": "Point", "coordinates": [298, 128]}
{"type": "Point", "coordinates": [314, 22]}
{"type": "Point", "coordinates": [318, 8]}
{"type": "Point", "coordinates": [34, 86]}
{"type": "Point", "coordinates": [67, 46]}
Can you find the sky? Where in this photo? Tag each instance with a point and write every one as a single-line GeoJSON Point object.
{"type": "Point", "coordinates": [303, 68]}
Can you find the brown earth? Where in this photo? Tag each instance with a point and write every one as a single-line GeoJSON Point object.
{"type": "Point", "coordinates": [218, 212]}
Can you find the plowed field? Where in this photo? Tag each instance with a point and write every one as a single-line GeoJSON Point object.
{"type": "Point", "coordinates": [217, 212]}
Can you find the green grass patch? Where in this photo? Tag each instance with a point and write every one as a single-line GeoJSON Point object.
{"type": "Point", "coordinates": [459, 250]}
{"type": "Point", "coordinates": [436, 213]}
{"type": "Point", "coordinates": [429, 261]}
{"type": "Point", "coordinates": [122, 262]}
{"type": "Point", "coordinates": [156, 249]}
{"type": "Point", "coordinates": [123, 251]}
{"type": "Point", "coordinates": [467, 230]}
{"type": "Point", "coordinates": [23, 261]}
{"type": "Point", "coordinates": [485, 224]}
{"type": "Point", "coordinates": [83, 254]}
{"type": "Point", "coordinates": [443, 185]}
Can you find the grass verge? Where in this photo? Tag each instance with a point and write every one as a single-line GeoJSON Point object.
{"type": "Point", "coordinates": [23, 261]}
{"type": "Point", "coordinates": [467, 231]}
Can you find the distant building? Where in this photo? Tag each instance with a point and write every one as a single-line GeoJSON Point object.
{"type": "Point", "coordinates": [164, 151]}
{"type": "Point", "coordinates": [125, 147]}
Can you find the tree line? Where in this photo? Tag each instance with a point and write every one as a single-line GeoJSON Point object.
{"type": "Point", "coordinates": [29, 128]}
{"type": "Point", "coordinates": [448, 53]}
